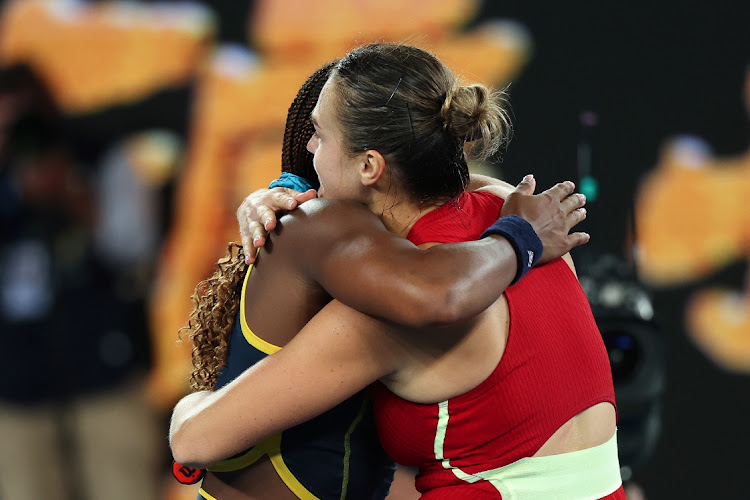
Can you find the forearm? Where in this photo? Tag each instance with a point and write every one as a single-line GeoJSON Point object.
{"type": "Point", "coordinates": [485, 269]}
{"type": "Point", "coordinates": [459, 281]}
{"type": "Point", "coordinates": [438, 286]}
{"type": "Point", "coordinates": [338, 353]}
{"type": "Point", "coordinates": [209, 426]}
{"type": "Point", "coordinates": [187, 430]}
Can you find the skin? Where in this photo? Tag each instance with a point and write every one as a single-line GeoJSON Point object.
{"type": "Point", "coordinates": [417, 289]}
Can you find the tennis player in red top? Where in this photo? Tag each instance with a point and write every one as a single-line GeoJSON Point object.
{"type": "Point", "coordinates": [516, 402]}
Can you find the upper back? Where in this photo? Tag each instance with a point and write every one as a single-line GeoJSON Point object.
{"type": "Point", "coordinates": [284, 294]}
{"type": "Point", "coordinates": [471, 348]}
{"type": "Point", "coordinates": [551, 365]}
{"type": "Point", "coordinates": [336, 451]}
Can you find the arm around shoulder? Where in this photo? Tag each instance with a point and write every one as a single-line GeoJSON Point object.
{"type": "Point", "coordinates": [359, 262]}
{"type": "Point", "coordinates": [337, 354]}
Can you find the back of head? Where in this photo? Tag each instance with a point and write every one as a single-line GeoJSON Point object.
{"type": "Point", "coordinates": [405, 103]}
{"type": "Point", "coordinates": [295, 158]}
{"type": "Point", "coordinates": [216, 300]}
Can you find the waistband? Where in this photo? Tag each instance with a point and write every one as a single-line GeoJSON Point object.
{"type": "Point", "coordinates": [592, 473]}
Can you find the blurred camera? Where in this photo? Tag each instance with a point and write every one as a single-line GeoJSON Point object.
{"type": "Point", "coordinates": [624, 312]}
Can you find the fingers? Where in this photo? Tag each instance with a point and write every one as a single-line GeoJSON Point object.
{"type": "Point", "coordinates": [306, 196]}
{"type": "Point", "coordinates": [246, 243]}
{"type": "Point", "coordinates": [527, 185]}
{"type": "Point", "coordinates": [561, 190]}
{"type": "Point", "coordinates": [283, 199]}
{"type": "Point", "coordinates": [578, 239]}
{"type": "Point", "coordinates": [573, 202]}
{"type": "Point", "coordinates": [575, 217]}
{"type": "Point", "coordinates": [266, 216]}
{"type": "Point", "coordinates": [242, 219]}
{"type": "Point", "coordinates": [252, 239]}
{"type": "Point", "coordinates": [257, 215]}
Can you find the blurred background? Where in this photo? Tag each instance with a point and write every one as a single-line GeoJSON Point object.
{"type": "Point", "coordinates": [130, 132]}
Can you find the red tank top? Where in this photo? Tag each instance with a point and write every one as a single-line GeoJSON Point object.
{"type": "Point", "coordinates": [554, 366]}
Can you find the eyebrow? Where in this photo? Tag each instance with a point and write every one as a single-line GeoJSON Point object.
{"type": "Point", "coordinates": [313, 120]}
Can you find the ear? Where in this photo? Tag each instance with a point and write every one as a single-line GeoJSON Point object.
{"type": "Point", "coordinates": [372, 167]}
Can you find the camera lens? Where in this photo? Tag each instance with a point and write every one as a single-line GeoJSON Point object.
{"type": "Point", "coordinates": [624, 352]}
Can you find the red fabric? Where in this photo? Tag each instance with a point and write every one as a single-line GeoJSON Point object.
{"type": "Point", "coordinates": [619, 494]}
{"type": "Point", "coordinates": [555, 365]}
{"type": "Point", "coordinates": [461, 219]}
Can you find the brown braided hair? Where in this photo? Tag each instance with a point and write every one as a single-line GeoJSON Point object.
{"type": "Point", "coordinates": [295, 158]}
{"type": "Point", "coordinates": [216, 300]}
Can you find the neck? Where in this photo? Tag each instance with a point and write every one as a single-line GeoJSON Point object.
{"type": "Point", "coordinates": [399, 215]}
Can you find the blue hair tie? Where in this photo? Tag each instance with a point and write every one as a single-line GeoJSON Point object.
{"type": "Point", "coordinates": [291, 181]}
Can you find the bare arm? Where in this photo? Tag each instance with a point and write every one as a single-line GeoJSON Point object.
{"type": "Point", "coordinates": [257, 214]}
{"type": "Point", "coordinates": [479, 182]}
{"type": "Point", "coordinates": [350, 351]}
{"type": "Point", "coordinates": [358, 261]}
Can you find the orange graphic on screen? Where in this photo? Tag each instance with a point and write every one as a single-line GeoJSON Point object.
{"type": "Point", "coordinates": [239, 115]}
{"type": "Point", "coordinates": [692, 220]}
{"type": "Point", "coordinates": [95, 55]}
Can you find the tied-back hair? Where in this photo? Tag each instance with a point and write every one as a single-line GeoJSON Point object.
{"type": "Point", "coordinates": [216, 300]}
{"type": "Point", "coordinates": [405, 103]}
{"type": "Point", "coordinates": [295, 158]}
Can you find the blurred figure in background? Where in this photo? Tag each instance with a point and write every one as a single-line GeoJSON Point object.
{"type": "Point", "coordinates": [72, 416]}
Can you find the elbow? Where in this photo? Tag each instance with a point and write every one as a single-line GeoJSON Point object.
{"type": "Point", "coordinates": [440, 308]}
{"type": "Point", "coordinates": [448, 311]}
{"type": "Point", "coordinates": [187, 451]}
{"type": "Point", "coordinates": [182, 452]}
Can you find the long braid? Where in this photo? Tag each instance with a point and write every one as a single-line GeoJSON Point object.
{"type": "Point", "coordinates": [295, 158]}
{"type": "Point", "coordinates": [217, 299]}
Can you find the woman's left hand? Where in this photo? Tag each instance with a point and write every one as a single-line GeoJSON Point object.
{"type": "Point", "coordinates": [257, 215]}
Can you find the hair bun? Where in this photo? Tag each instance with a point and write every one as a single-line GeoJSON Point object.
{"type": "Point", "coordinates": [475, 114]}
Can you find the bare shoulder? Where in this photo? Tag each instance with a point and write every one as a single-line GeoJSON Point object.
{"type": "Point", "coordinates": [318, 207]}
{"type": "Point", "coordinates": [501, 189]}
{"type": "Point", "coordinates": [569, 261]}
{"type": "Point", "coordinates": [321, 223]}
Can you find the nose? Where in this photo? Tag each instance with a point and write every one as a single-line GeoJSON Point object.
{"type": "Point", "coordinates": [312, 144]}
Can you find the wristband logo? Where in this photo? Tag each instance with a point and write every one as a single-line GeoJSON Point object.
{"type": "Point", "coordinates": [187, 475]}
{"type": "Point", "coordinates": [531, 259]}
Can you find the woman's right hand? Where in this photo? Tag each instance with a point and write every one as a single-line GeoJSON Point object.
{"type": "Point", "coordinates": [257, 214]}
{"type": "Point", "coordinates": [552, 214]}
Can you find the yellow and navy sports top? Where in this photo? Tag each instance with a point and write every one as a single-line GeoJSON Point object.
{"type": "Point", "coordinates": [336, 455]}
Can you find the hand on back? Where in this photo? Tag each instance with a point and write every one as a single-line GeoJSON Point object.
{"type": "Point", "coordinates": [257, 215]}
{"type": "Point", "coordinates": [552, 214]}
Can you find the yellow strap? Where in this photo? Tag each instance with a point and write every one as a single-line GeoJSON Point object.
{"type": "Point", "coordinates": [251, 338]}
{"type": "Point", "coordinates": [246, 459]}
{"type": "Point", "coordinates": [206, 495]}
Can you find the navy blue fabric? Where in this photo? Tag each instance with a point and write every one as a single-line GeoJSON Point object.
{"type": "Point", "coordinates": [522, 238]}
{"type": "Point", "coordinates": [314, 451]}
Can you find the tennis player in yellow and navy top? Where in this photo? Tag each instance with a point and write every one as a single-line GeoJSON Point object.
{"type": "Point", "coordinates": [321, 254]}
{"type": "Point", "coordinates": [313, 459]}
{"type": "Point", "coordinates": [335, 456]}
